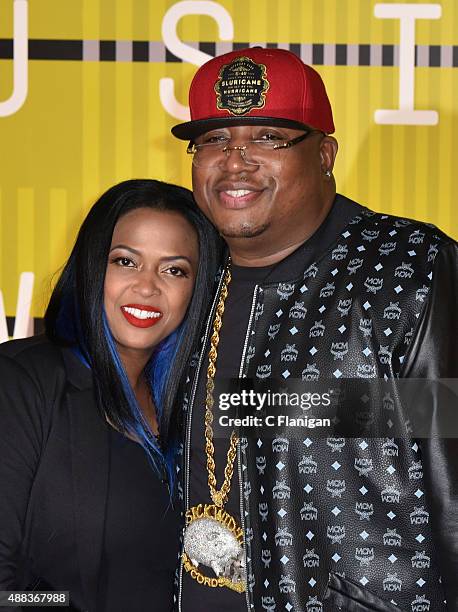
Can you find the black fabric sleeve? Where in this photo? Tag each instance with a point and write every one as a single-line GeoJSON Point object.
{"type": "Point", "coordinates": [433, 355]}
{"type": "Point", "coordinates": [22, 431]}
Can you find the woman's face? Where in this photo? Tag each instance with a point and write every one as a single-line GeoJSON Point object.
{"type": "Point", "coordinates": [151, 270]}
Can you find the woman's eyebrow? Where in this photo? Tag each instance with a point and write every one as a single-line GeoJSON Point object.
{"type": "Point", "coordinates": [175, 257]}
{"type": "Point", "coordinates": [165, 258]}
{"type": "Point", "coordinates": [127, 248]}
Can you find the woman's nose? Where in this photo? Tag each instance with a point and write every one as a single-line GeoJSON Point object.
{"type": "Point", "coordinates": [147, 284]}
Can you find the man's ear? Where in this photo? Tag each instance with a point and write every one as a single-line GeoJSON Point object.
{"type": "Point", "coordinates": [328, 152]}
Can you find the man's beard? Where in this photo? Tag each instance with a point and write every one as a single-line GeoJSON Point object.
{"type": "Point", "coordinates": [245, 230]}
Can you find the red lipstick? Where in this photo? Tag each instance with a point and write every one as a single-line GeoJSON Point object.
{"type": "Point", "coordinates": [141, 315]}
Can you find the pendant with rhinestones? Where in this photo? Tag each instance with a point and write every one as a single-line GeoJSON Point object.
{"type": "Point", "coordinates": [213, 538]}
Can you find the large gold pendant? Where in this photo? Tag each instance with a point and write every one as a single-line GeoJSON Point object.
{"type": "Point", "coordinates": [213, 538]}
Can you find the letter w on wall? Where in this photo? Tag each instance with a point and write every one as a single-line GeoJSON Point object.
{"type": "Point", "coordinates": [23, 324]}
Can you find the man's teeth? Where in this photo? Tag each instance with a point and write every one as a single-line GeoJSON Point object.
{"type": "Point", "coordinates": [142, 314]}
{"type": "Point", "coordinates": [238, 193]}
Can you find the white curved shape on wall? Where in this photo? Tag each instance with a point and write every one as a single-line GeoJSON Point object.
{"type": "Point", "coordinates": [169, 101]}
{"type": "Point", "coordinates": [185, 52]}
{"type": "Point", "coordinates": [20, 60]}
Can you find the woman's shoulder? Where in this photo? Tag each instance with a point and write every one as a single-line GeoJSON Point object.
{"type": "Point", "coordinates": [27, 395]}
{"type": "Point", "coordinates": [10, 369]}
{"type": "Point", "coordinates": [39, 373]}
{"type": "Point", "coordinates": [37, 355]}
{"type": "Point", "coordinates": [19, 390]}
{"type": "Point", "coordinates": [52, 367]}
{"type": "Point", "coordinates": [32, 345]}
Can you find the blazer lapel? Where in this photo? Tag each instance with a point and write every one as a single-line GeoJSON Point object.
{"type": "Point", "coordinates": [90, 470]}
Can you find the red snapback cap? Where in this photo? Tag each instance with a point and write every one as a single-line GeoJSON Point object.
{"type": "Point", "coordinates": [254, 87]}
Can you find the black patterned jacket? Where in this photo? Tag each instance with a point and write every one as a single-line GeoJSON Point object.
{"type": "Point", "coordinates": [352, 524]}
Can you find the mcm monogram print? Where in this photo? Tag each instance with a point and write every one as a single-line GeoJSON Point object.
{"type": "Point", "coordinates": [354, 507]}
{"type": "Point", "coordinates": [360, 503]}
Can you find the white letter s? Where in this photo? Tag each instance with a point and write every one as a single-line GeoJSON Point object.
{"type": "Point", "coordinates": [185, 52]}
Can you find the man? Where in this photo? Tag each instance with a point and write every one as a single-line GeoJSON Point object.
{"type": "Point", "coordinates": [317, 288]}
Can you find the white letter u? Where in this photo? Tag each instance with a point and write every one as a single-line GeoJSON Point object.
{"type": "Point", "coordinates": [20, 59]}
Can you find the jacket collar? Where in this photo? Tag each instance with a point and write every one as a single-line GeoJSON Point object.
{"type": "Point", "coordinates": [79, 375]}
{"type": "Point", "coordinates": [292, 267]}
{"type": "Point", "coordinates": [342, 212]}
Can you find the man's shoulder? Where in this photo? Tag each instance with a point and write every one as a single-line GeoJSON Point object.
{"type": "Point", "coordinates": [389, 237]}
{"type": "Point", "coordinates": [399, 228]}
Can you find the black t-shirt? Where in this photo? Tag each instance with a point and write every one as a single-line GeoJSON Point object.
{"type": "Point", "coordinates": [141, 534]}
{"type": "Point", "coordinates": [196, 597]}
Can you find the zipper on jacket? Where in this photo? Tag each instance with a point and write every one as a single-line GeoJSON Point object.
{"type": "Point", "coordinates": [239, 458]}
{"type": "Point", "coordinates": [187, 444]}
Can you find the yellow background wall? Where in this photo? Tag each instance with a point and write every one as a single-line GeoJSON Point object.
{"type": "Point", "coordinates": [88, 124]}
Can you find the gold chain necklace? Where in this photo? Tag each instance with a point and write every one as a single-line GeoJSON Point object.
{"type": "Point", "coordinates": [219, 497]}
{"type": "Point", "coordinates": [212, 536]}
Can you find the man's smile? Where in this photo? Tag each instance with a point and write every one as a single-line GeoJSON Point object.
{"type": "Point", "coordinates": [237, 195]}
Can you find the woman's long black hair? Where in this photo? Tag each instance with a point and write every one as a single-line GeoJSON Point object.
{"type": "Point", "coordinates": [76, 316]}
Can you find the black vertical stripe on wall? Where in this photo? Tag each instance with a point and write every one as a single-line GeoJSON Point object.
{"type": "Point", "coordinates": [435, 55]}
{"type": "Point", "coordinates": [208, 47]}
{"type": "Point", "coordinates": [6, 48]}
{"type": "Point", "coordinates": [140, 51]}
{"type": "Point", "coordinates": [341, 55]}
{"type": "Point", "coordinates": [364, 53]}
{"type": "Point", "coordinates": [169, 57]}
{"type": "Point", "coordinates": [295, 48]}
{"type": "Point", "coordinates": [455, 56]}
{"type": "Point", "coordinates": [317, 54]}
{"type": "Point", "coordinates": [107, 50]}
{"type": "Point", "coordinates": [387, 55]}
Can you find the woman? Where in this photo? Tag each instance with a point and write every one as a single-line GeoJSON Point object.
{"type": "Point", "coordinates": [88, 414]}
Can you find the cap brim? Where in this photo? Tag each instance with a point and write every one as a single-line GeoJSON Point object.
{"type": "Point", "coordinates": [193, 129]}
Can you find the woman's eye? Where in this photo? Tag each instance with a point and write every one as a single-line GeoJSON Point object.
{"type": "Point", "coordinates": [176, 271]}
{"type": "Point", "coordinates": [124, 262]}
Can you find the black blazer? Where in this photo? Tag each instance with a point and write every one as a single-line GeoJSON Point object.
{"type": "Point", "coordinates": [52, 508]}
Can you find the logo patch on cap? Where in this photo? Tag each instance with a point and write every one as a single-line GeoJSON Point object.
{"type": "Point", "coordinates": [241, 86]}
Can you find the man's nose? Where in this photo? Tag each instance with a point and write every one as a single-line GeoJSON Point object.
{"type": "Point", "coordinates": [234, 161]}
